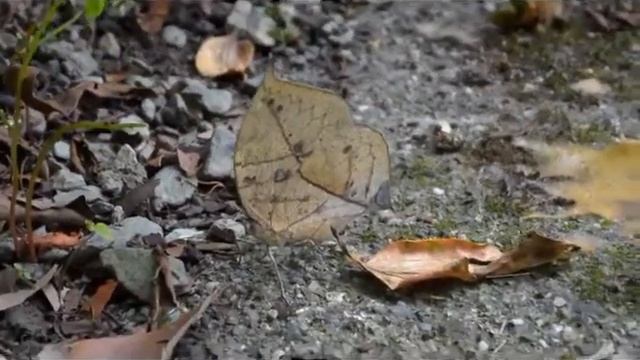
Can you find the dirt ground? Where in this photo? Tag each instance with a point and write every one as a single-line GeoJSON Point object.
{"type": "Point", "coordinates": [412, 67]}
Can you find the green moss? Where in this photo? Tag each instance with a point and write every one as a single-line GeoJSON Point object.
{"type": "Point", "coordinates": [593, 133]}
{"type": "Point", "coordinates": [445, 226]}
{"type": "Point", "coordinates": [614, 278]}
{"type": "Point", "coordinates": [369, 235]}
{"type": "Point", "coordinates": [422, 170]}
{"type": "Point", "coordinates": [406, 232]}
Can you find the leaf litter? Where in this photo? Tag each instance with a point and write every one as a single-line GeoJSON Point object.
{"type": "Point", "coordinates": [406, 263]}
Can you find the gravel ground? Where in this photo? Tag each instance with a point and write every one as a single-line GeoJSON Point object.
{"type": "Point", "coordinates": [409, 69]}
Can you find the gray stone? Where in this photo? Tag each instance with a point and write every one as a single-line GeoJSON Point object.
{"type": "Point", "coordinates": [141, 81]}
{"type": "Point", "coordinates": [135, 269]}
{"type": "Point", "coordinates": [184, 234]}
{"type": "Point", "coordinates": [174, 189]}
{"type": "Point", "coordinates": [8, 41]}
{"type": "Point", "coordinates": [78, 62]}
{"type": "Point", "coordinates": [64, 198]}
{"type": "Point", "coordinates": [62, 150]}
{"type": "Point", "coordinates": [338, 32]}
{"type": "Point", "coordinates": [132, 228]}
{"type": "Point", "coordinates": [148, 109]}
{"type": "Point", "coordinates": [569, 334]}
{"type": "Point", "coordinates": [64, 179]}
{"type": "Point", "coordinates": [109, 44]}
{"type": "Point", "coordinates": [219, 163]}
{"type": "Point", "coordinates": [559, 302]}
{"type": "Point", "coordinates": [252, 20]}
{"type": "Point", "coordinates": [124, 170]}
{"type": "Point", "coordinates": [142, 130]}
{"type": "Point", "coordinates": [214, 101]}
{"type": "Point", "coordinates": [174, 36]}
{"type": "Point", "coordinates": [237, 228]}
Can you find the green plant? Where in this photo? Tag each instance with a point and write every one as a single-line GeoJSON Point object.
{"type": "Point", "coordinates": [37, 34]}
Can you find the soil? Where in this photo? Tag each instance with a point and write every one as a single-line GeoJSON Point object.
{"type": "Point", "coordinates": [411, 68]}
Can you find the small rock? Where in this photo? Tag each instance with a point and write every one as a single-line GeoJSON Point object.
{"type": "Point", "coordinates": [134, 227]}
{"type": "Point", "coordinates": [483, 346]}
{"type": "Point", "coordinates": [446, 138]}
{"type": "Point", "coordinates": [591, 86]}
{"type": "Point", "coordinates": [184, 234]}
{"type": "Point", "coordinates": [176, 113]}
{"type": "Point", "coordinates": [237, 228]}
{"type": "Point", "coordinates": [90, 193]}
{"type": "Point", "coordinates": [252, 20]}
{"type": "Point", "coordinates": [338, 32]}
{"type": "Point", "coordinates": [517, 322]}
{"type": "Point", "coordinates": [141, 81]}
{"type": "Point", "coordinates": [174, 36]}
{"type": "Point", "coordinates": [315, 287]}
{"type": "Point", "coordinates": [109, 44]}
{"type": "Point", "coordinates": [174, 189]}
{"type": "Point", "coordinates": [386, 215]}
{"type": "Point", "coordinates": [438, 191]}
{"type": "Point", "coordinates": [135, 269]}
{"type": "Point", "coordinates": [559, 302]}
{"type": "Point", "coordinates": [123, 171]}
{"type": "Point", "coordinates": [62, 150]}
{"type": "Point", "coordinates": [219, 163]}
{"type": "Point", "coordinates": [64, 180]}
{"type": "Point", "coordinates": [214, 101]}
{"type": "Point", "coordinates": [75, 62]}
{"type": "Point", "coordinates": [8, 41]}
{"type": "Point", "coordinates": [141, 132]}
{"type": "Point", "coordinates": [148, 109]}
{"type": "Point", "coordinates": [569, 335]}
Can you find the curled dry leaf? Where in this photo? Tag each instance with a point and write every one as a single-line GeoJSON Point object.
{"type": "Point", "coordinates": [189, 161]}
{"type": "Point", "coordinates": [152, 20]}
{"type": "Point", "coordinates": [222, 55]}
{"type": "Point", "coordinates": [157, 344]}
{"type": "Point", "coordinates": [303, 166]}
{"type": "Point", "coordinates": [604, 182]}
{"type": "Point", "coordinates": [16, 298]}
{"type": "Point", "coordinates": [102, 296]}
{"type": "Point", "coordinates": [406, 262]}
{"type": "Point", "coordinates": [533, 251]}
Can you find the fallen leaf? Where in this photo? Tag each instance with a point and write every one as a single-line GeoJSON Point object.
{"type": "Point", "coordinates": [223, 55]}
{"type": "Point", "coordinates": [58, 240]}
{"type": "Point", "coordinates": [533, 251]}
{"type": "Point", "coordinates": [157, 344]}
{"type": "Point", "coordinates": [189, 161]}
{"type": "Point", "coordinates": [153, 18]}
{"type": "Point", "coordinates": [10, 300]}
{"type": "Point", "coordinates": [102, 296]}
{"type": "Point", "coordinates": [527, 14]}
{"type": "Point", "coordinates": [406, 262]}
{"type": "Point", "coordinates": [302, 166]}
{"type": "Point", "coordinates": [604, 182]}
{"type": "Point", "coordinates": [53, 296]}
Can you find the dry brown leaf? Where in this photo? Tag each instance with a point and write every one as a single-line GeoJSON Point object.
{"type": "Point", "coordinates": [157, 344]}
{"type": "Point", "coordinates": [102, 296]}
{"type": "Point", "coordinates": [189, 161]}
{"type": "Point", "coordinates": [18, 297]}
{"type": "Point", "coordinates": [406, 262]}
{"type": "Point", "coordinates": [58, 240]}
{"type": "Point", "coordinates": [302, 165]}
{"type": "Point", "coordinates": [222, 55]}
{"type": "Point", "coordinates": [528, 14]}
{"type": "Point", "coordinates": [151, 21]}
{"type": "Point", "coordinates": [533, 251]}
{"type": "Point", "coordinates": [604, 182]}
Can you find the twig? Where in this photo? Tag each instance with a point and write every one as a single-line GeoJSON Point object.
{"type": "Point", "coordinates": [283, 293]}
{"type": "Point", "coordinates": [495, 351]}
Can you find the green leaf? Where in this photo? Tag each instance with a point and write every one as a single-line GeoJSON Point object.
{"type": "Point", "coordinates": [93, 8]}
{"type": "Point", "coordinates": [99, 228]}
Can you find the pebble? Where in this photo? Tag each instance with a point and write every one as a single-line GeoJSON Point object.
{"type": "Point", "coordinates": [214, 101]}
{"type": "Point", "coordinates": [219, 163]}
{"type": "Point", "coordinates": [184, 234]}
{"type": "Point", "coordinates": [75, 62]}
{"type": "Point", "coordinates": [123, 171]}
{"type": "Point", "coordinates": [8, 41]}
{"type": "Point", "coordinates": [438, 191]}
{"type": "Point", "coordinates": [62, 150]}
{"type": "Point", "coordinates": [174, 189]}
{"type": "Point", "coordinates": [174, 36]}
{"type": "Point", "coordinates": [338, 32]}
{"type": "Point", "coordinates": [517, 322]}
{"type": "Point", "coordinates": [148, 109]}
{"type": "Point", "coordinates": [142, 131]}
{"type": "Point", "coordinates": [109, 44]}
{"type": "Point", "coordinates": [252, 20]}
{"type": "Point", "coordinates": [559, 302]}
{"type": "Point", "coordinates": [483, 346]}
{"type": "Point", "coordinates": [237, 228]}
{"type": "Point", "coordinates": [132, 228]}
{"type": "Point", "coordinates": [569, 335]}
{"type": "Point", "coordinates": [65, 180]}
